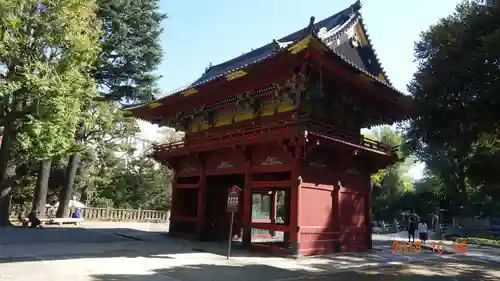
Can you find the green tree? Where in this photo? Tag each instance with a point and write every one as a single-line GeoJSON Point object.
{"type": "Point", "coordinates": [391, 183]}
{"type": "Point", "coordinates": [131, 51]}
{"type": "Point", "coordinates": [46, 54]}
{"type": "Point", "coordinates": [455, 90]}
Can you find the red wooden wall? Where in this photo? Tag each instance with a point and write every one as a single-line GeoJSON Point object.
{"type": "Point", "coordinates": [334, 210]}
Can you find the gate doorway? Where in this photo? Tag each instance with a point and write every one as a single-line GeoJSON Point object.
{"type": "Point", "coordinates": [217, 219]}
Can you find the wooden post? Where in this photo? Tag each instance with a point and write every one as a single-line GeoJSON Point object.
{"type": "Point", "coordinates": [202, 187]}
{"type": "Point", "coordinates": [247, 209]}
{"type": "Point", "coordinates": [336, 208]}
{"type": "Point", "coordinates": [233, 199]}
{"type": "Point", "coordinates": [246, 216]}
{"type": "Point", "coordinates": [274, 204]}
{"type": "Point", "coordinates": [368, 217]}
{"type": "Point", "coordinates": [174, 204]}
{"type": "Point", "coordinates": [230, 235]}
{"type": "Point", "coordinates": [295, 213]}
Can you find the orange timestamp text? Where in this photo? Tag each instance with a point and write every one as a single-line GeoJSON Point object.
{"type": "Point", "coordinates": [401, 247]}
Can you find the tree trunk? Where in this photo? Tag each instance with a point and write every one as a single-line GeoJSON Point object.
{"type": "Point", "coordinates": [5, 167]}
{"type": "Point", "coordinates": [67, 190]}
{"type": "Point", "coordinates": [84, 193]}
{"type": "Point", "coordinates": [42, 186]}
{"type": "Point", "coordinates": [69, 180]}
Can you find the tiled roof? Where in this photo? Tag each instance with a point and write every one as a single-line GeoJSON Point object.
{"type": "Point", "coordinates": [326, 26]}
{"type": "Point", "coordinates": [332, 31]}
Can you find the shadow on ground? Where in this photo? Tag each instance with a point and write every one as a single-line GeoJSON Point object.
{"type": "Point", "coordinates": [470, 270]}
{"type": "Point", "coordinates": [62, 243]}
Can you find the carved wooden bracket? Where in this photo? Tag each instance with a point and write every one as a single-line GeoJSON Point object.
{"type": "Point", "coordinates": [289, 147]}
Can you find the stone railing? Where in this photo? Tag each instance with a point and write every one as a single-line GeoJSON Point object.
{"type": "Point", "coordinates": [109, 214]}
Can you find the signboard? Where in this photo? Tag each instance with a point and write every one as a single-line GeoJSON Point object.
{"type": "Point", "coordinates": [233, 203]}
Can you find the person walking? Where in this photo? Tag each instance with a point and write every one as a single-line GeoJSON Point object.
{"type": "Point", "coordinates": [423, 231]}
{"type": "Point", "coordinates": [412, 227]}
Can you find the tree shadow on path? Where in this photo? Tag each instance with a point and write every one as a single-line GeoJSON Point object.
{"type": "Point", "coordinates": [470, 270]}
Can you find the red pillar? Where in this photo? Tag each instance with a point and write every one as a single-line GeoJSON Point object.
{"type": "Point", "coordinates": [174, 203]}
{"type": "Point", "coordinates": [202, 187]}
{"type": "Point", "coordinates": [274, 205]}
{"type": "Point", "coordinates": [369, 242]}
{"type": "Point", "coordinates": [247, 205]}
{"type": "Point", "coordinates": [295, 213]}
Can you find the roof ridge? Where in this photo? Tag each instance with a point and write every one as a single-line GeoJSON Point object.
{"type": "Point", "coordinates": [274, 42]}
{"type": "Point", "coordinates": [365, 31]}
{"type": "Point", "coordinates": [355, 7]}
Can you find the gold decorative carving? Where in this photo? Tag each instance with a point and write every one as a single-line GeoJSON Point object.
{"type": "Point", "coordinates": [317, 163]}
{"type": "Point", "coordinates": [225, 165]}
{"type": "Point", "coordinates": [189, 169]}
{"type": "Point", "coordinates": [270, 160]}
{"type": "Point", "coordinates": [189, 92]}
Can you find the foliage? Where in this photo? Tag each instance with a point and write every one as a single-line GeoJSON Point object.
{"type": "Point", "coordinates": [456, 99]}
{"type": "Point", "coordinates": [131, 49]}
{"type": "Point", "coordinates": [138, 184]}
{"type": "Point", "coordinates": [391, 183]}
{"type": "Point", "coordinates": [130, 53]}
{"type": "Point", "coordinates": [47, 51]}
{"type": "Point", "coordinates": [46, 54]}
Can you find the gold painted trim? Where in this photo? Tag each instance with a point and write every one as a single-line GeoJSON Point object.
{"type": "Point", "coordinates": [361, 35]}
{"type": "Point", "coordinates": [189, 92]}
{"type": "Point", "coordinates": [285, 107]}
{"type": "Point", "coordinates": [268, 111]}
{"type": "Point", "coordinates": [189, 169]}
{"type": "Point", "coordinates": [154, 105]}
{"type": "Point", "coordinates": [381, 77]}
{"type": "Point", "coordinates": [127, 113]}
{"type": "Point", "coordinates": [204, 126]}
{"type": "Point", "coordinates": [271, 160]}
{"type": "Point", "coordinates": [300, 46]}
{"type": "Point", "coordinates": [236, 75]}
{"type": "Point", "coordinates": [224, 165]}
{"type": "Point", "coordinates": [366, 78]}
{"type": "Point", "coordinates": [318, 45]}
{"type": "Point", "coordinates": [243, 117]}
{"type": "Point", "coordinates": [224, 121]}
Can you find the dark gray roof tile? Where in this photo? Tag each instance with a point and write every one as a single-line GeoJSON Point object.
{"type": "Point", "coordinates": [332, 31]}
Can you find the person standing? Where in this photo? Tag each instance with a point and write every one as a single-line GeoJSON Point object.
{"type": "Point", "coordinates": [423, 231]}
{"type": "Point", "coordinates": [435, 222]}
{"type": "Point", "coordinates": [412, 227]}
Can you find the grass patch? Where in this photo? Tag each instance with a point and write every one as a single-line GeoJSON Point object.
{"type": "Point", "coordinates": [489, 241]}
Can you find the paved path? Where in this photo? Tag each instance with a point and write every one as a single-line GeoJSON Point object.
{"type": "Point", "coordinates": [482, 252]}
{"type": "Point", "coordinates": [139, 252]}
{"type": "Point", "coordinates": [457, 269]}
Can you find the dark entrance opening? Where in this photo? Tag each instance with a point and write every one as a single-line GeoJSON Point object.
{"type": "Point", "coordinates": [217, 218]}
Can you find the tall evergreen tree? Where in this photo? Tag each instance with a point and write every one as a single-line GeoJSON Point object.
{"type": "Point", "coordinates": [131, 51]}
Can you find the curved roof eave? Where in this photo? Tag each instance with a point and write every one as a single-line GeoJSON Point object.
{"type": "Point", "coordinates": [335, 25]}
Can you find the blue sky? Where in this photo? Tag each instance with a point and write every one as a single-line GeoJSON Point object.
{"type": "Point", "coordinates": [199, 32]}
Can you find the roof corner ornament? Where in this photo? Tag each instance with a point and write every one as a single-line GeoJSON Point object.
{"type": "Point", "coordinates": [355, 41]}
{"type": "Point", "coordinates": [311, 28]}
{"type": "Point", "coordinates": [208, 67]}
{"type": "Point", "coordinates": [277, 45]}
{"type": "Point", "coordinates": [357, 5]}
